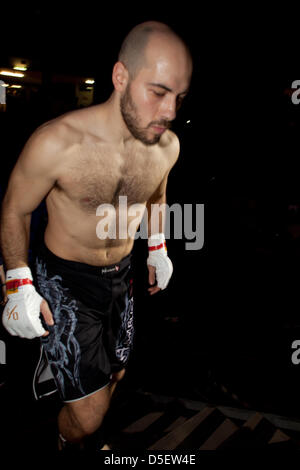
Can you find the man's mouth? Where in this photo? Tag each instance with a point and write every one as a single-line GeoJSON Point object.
{"type": "Point", "coordinates": [159, 129]}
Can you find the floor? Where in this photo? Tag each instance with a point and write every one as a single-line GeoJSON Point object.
{"type": "Point", "coordinates": [139, 420]}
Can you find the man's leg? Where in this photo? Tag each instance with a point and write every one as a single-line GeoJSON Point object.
{"type": "Point", "coordinates": [82, 418]}
{"type": "Point", "coordinates": [116, 377]}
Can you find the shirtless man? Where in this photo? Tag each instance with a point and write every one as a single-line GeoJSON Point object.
{"type": "Point", "coordinates": [79, 161]}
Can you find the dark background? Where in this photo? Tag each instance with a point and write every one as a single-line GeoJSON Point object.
{"type": "Point", "coordinates": [230, 312]}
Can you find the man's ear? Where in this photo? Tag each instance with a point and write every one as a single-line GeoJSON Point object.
{"type": "Point", "coordinates": [120, 76]}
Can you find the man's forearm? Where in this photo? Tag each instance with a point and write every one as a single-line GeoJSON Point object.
{"type": "Point", "coordinates": [156, 216]}
{"type": "Point", "coordinates": [3, 288]}
{"type": "Point", "coordinates": [15, 230]}
{"type": "Point", "coordinates": [2, 275]}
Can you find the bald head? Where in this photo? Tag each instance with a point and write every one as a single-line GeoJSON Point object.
{"type": "Point", "coordinates": [136, 45]}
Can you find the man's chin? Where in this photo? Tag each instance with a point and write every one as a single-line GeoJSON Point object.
{"type": "Point", "coordinates": [146, 138]}
{"type": "Point", "coordinates": [150, 141]}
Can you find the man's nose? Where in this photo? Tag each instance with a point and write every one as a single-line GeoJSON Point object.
{"type": "Point", "coordinates": [168, 109]}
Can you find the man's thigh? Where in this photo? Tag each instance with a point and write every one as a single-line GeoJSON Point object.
{"type": "Point", "coordinates": [89, 412]}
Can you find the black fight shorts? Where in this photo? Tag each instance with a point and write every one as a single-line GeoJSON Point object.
{"type": "Point", "coordinates": [93, 332]}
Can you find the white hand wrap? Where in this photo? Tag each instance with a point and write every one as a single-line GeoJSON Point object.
{"type": "Point", "coordinates": [158, 257]}
{"type": "Point", "coordinates": [21, 315]}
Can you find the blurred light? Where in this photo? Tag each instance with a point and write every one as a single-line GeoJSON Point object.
{"type": "Point", "coordinates": [15, 86]}
{"type": "Point", "coordinates": [89, 88]}
{"type": "Point", "coordinates": [90, 82]}
{"type": "Point", "coordinates": [188, 122]}
{"type": "Point", "coordinates": [20, 68]}
{"type": "Point", "coordinates": [4, 84]}
{"type": "Point", "coordinates": [11, 74]}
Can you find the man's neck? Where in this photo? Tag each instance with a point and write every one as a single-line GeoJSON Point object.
{"type": "Point", "coordinates": [117, 130]}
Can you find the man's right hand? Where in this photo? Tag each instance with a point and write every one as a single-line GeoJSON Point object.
{"type": "Point", "coordinates": [21, 315]}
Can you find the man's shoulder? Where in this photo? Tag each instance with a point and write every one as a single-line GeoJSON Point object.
{"type": "Point", "coordinates": [168, 139]}
{"type": "Point", "coordinates": [71, 128]}
{"type": "Point", "coordinates": [50, 141]}
{"type": "Point", "coordinates": [60, 131]}
{"type": "Point", "coordinates": [169, 144]}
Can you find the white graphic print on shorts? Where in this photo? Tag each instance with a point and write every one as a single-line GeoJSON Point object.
{"type": "Point", "coordinates": [63, 310]}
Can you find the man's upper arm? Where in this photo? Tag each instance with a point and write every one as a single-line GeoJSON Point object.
{"type": "Point", "coordinates": [35, 172]}
{"type": "Point", "coordinates": [172, 154]}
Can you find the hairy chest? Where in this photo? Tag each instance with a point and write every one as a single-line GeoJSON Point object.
{"type": "Point", "coordinates": [102, 177]}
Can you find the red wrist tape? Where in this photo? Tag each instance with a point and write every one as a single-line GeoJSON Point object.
{"type": "Point", "coordinates": [12, 286]}
{"type": "Point", "coordinates": [158, 247]}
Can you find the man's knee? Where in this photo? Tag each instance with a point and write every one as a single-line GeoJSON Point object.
{"type": "Point", "coordinates": [87, 414]}
{"type": "Point", "coordinates": [86, 423]}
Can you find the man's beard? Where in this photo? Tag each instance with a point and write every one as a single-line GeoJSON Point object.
{"type": "Point", "coordinates": [130, 117]}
